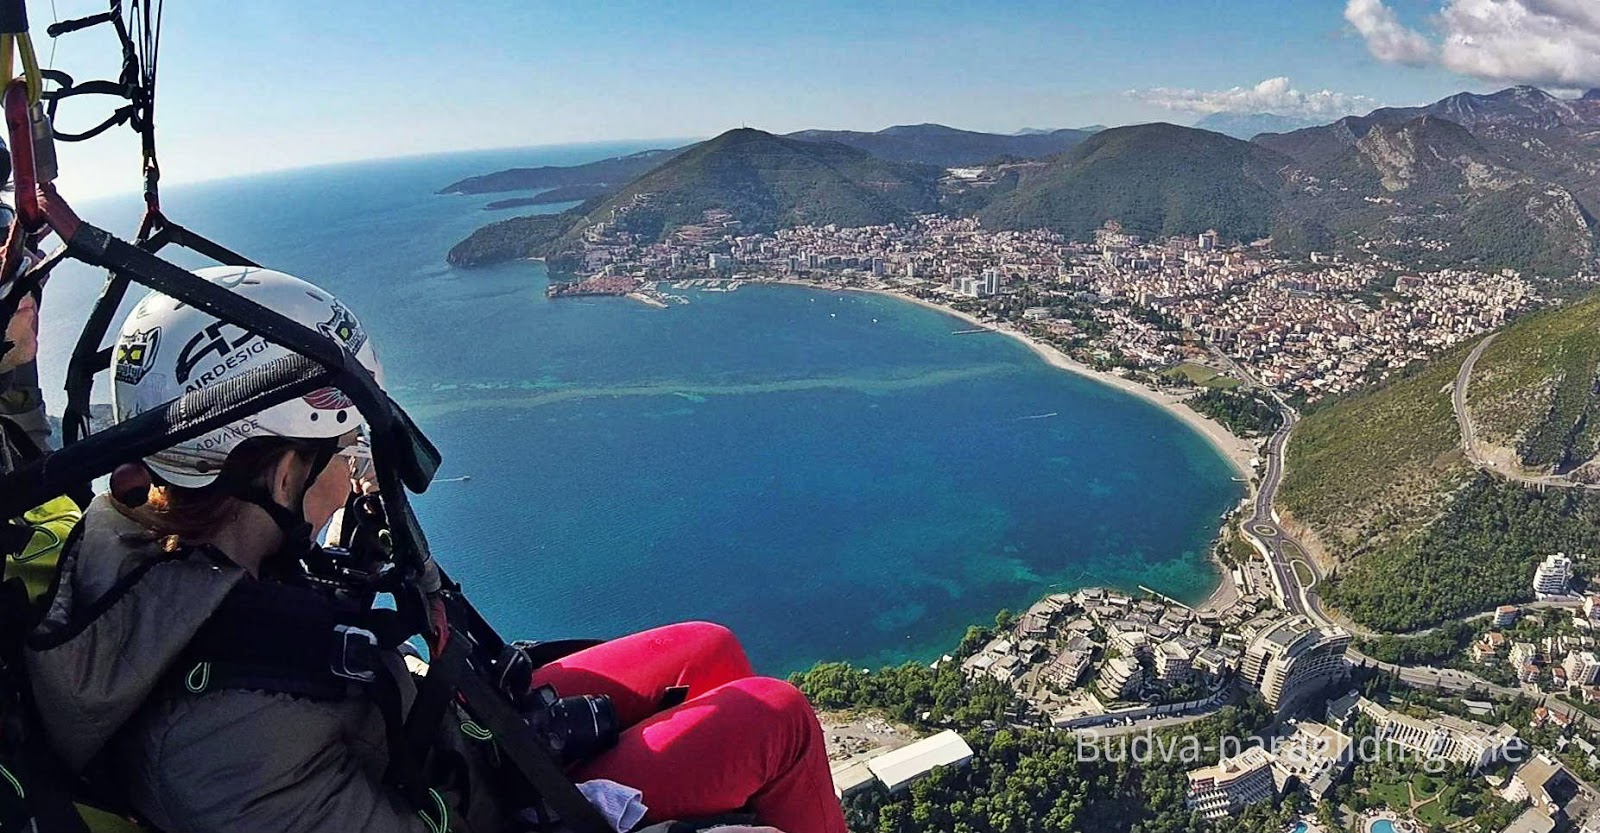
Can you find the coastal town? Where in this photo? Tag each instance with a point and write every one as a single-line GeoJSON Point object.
{"type": "Point", "coordinates": [1308, 328]}
{"type": "Point", "coordinates": [1510, 716]}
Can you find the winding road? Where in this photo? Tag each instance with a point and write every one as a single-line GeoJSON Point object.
{"type": "Point", "coordinates": [1469, 432]}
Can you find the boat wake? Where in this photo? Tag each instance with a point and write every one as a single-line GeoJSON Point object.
{"type": "Point", "coordinates": [1038, 416]}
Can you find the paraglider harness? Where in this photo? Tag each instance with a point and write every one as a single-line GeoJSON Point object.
{"type": "Point", "coordinates": [468, 661]}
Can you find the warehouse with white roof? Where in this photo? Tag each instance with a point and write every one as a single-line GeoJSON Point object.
{"type": "Point", "coordinates": [899, 768]}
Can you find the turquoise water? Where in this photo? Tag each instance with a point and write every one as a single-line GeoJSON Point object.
{"type": "Point", "coordinates": [1383, 826]}
{"type": "Point", "coordinates": [832, 475]}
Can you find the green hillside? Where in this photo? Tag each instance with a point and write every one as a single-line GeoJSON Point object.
{"type": "Point", "coordinates": [1534, 389]}
{"type": "Point", "coordinates": [1369, 467]}
{"type": "Point", "coordinates": [1156, 179]}
{"type": "Point", "coordinates": [512, 239]}
{"type": "Point", "coordinates": [1421, 537]}
{"type": "Point", "coordinates": [768, 182]}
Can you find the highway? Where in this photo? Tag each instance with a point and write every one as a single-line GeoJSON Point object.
{"type": "Point", "coordinates": [1282, 550]}
{"type": "Point", "coordinates": [1458, 402]}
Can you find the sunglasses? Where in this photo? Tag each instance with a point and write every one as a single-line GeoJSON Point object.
{"type": "Point", "coordinates": [355, 448]}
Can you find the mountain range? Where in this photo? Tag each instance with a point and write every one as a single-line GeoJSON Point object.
{"type": "Point", "coordinates": [1509, 179]}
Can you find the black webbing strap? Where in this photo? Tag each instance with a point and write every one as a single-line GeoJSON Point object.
{"type": "Point", "coordinates": [315, 647]}
{"type": "Point", "coordinates": [435, 691]}
{"type": "Point", "coordinates": [530, 756]}
{"type": "Point", "coordinates": [185, 418]}
{"type": "Point", "coordinates": [88, 357]}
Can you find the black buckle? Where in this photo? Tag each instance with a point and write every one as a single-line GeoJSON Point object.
{"type": "Point", "coordinates": [356, 657]}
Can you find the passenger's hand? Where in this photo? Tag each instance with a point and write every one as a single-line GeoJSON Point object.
{"type": "Point", "coordinates": [23, 333]}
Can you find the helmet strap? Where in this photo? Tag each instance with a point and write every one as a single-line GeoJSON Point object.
{"type": "Point", "coordinates": [290, 520]}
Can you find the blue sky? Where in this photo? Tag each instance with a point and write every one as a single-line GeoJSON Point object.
{"type": "Point", "coordinates": [249, 86]}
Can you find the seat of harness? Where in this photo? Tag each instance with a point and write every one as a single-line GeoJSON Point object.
{"type": "Point", "coordinates": [290, 639]}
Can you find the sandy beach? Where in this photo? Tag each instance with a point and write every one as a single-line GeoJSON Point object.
{"type": "Point", "coordinates": [1238, 452]}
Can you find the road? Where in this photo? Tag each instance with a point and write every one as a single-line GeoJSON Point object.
{"type": "Point", "coordinates": [1463, 682]}
{"type": "Point", "coordinates": [1469, 432]}
{"type": "Point", "coordinates": [1282, 550]}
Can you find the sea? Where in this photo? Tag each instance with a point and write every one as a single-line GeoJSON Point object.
{"type": "Point", "coordinates": [834, 475]}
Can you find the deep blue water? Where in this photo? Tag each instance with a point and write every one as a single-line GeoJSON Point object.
{"type": "Point", "coordinates": [832, 475]}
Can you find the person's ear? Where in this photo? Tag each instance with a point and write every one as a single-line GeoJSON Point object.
{"type": "Point", "coordinates": [286, 476]}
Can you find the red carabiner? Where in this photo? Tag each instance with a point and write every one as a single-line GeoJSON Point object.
{"type": "Point", "coordinates": [20, 131]}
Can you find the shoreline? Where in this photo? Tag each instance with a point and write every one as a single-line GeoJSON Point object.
{"type": "Point", "coordinates": [1235, 450]}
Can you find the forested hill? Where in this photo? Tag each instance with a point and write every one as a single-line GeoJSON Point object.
{"type": "Point", "coordinates": [764, 182]}
{"type": "Point", "coordinates": [609, 173]}
{"type": "Point", "coordinates": [1156, 179]}
{"type": "Point", "coordinates": [1420, 536]}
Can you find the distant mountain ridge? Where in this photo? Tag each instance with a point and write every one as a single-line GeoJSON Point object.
{"type": "Point", "coordinates": [615, 172]}
{"type": "Point", "coordinates": [1509, 178]}
{"type": "Point", "coordinates": [936, 144]}
{"type": "Point", "coordinates": [1155, 179]}
{"type": "Point", "coordinates": [1249, 125]}
{"type": "Point", "coordinates": [1506, 179]}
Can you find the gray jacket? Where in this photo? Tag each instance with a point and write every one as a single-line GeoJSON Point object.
{"type": "Point", "coordinates": [102, 662]}
{"type": "Point", "coordinates": [22, 405]}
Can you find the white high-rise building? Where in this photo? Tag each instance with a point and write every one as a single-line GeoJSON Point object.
{"type": "Point", "coordinates": [1293, 659]}
{"type": "Point", "coordinates": [991, 281]}
{"type": "Point", "coordinates": [1582, 668]}
{"type": "Point", "coordinates": [1550, 579]}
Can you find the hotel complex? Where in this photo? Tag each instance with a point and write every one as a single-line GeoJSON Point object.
{"type": "Point", "coordinates": [1292, 659]}
{"type": "Point", "coordinates": [1219, 791]}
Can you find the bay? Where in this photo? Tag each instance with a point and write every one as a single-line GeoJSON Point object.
{"type": "Point", "coordinates": [834, 475]}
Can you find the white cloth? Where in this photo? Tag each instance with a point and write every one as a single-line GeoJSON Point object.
{"type": "Point", "coordinates": [622, 805]}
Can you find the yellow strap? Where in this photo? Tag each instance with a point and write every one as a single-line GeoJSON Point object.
{"type": "Point", "coordinates": [30, 68]}
{"type": "Point", "coordinates": [10, 46]}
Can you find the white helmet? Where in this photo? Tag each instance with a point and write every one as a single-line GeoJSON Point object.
{"type": "Point", "coordinates": [167, 348]}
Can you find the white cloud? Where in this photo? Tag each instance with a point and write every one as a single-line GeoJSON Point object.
{"type": "Point", "coordinates": [1553, 43]}
{"type": "Point", "coordinates": [1550, 42]}
{"type": "Point", "coordinates": [1387, 38]}
{"type": "Point", "coordinates": [1274, 95]}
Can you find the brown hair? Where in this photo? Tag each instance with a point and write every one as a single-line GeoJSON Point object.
{"type": "Point", "coordinates": [179, 516]}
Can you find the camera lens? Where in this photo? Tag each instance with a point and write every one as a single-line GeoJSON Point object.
{"type": "Point", "coordinates": [577, 728]}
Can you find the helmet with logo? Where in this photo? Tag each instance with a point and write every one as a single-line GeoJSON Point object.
{"type": "Point", "coordinates": [166, 349]}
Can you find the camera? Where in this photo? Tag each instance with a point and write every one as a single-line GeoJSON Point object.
{"type": "Point", "coordinates": [574, 728]}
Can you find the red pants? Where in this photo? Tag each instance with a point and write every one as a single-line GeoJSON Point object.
{"type": "Point", "coordinates": [739, 743]}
